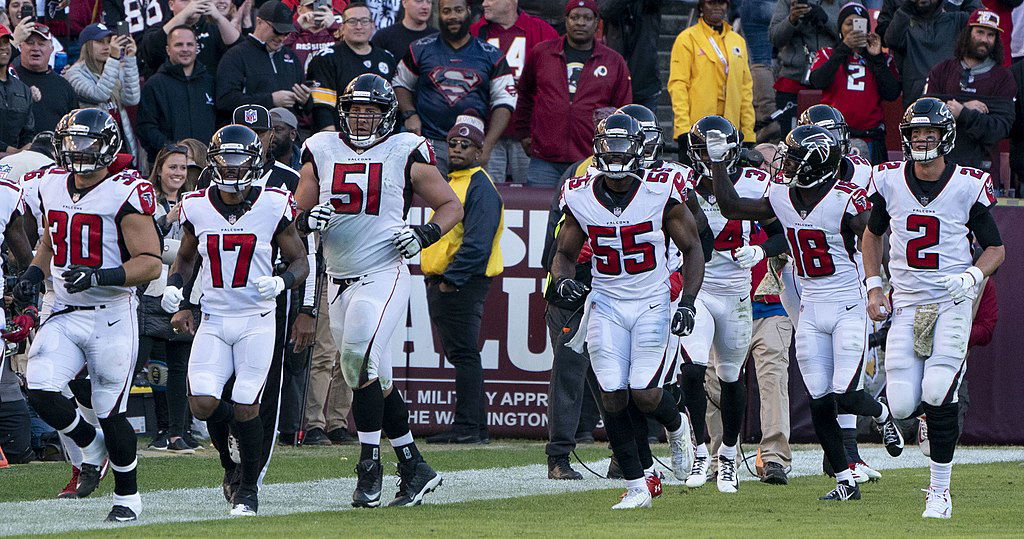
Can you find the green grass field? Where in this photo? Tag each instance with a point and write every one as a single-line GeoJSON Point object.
{"type": "Point", "coordinates": [987, 501]}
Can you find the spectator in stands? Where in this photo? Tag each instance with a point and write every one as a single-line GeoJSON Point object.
{"type": "Point", "coordinates": [449, 74]}
{"type": "Point", "coordinates": [632, 28]}
{"type": "Point", "coordinates": [757, 16]}
{"type": "Point", "coordinates": [516, 33]}
{"type": "Point", "coordinates": [16, 121]}
{"type": "Point", "coordinates": [856, 76]}
{"type": "Point", "coordinates": [709, 74]}
{"type": "Point", "coordinates": [214, 32]}
{"type": "Point", "coordinates": [106, 76]}
{"type": "Point", "coordinates": [384, 12]}
{"type": "Point", "coordinates": [555, 120]}
{"type": "Point", "coordinates": [239, 15]}
{"type": "Point", "coordinates": [922, 33]}
{"type": "Point", "coordinates": [797, 30]}
{"type": "Point", "coordinates": [177, 102]}
{"type": "Point", "coordinates": [550, 11]}
{"type": "Point", "coordinates": [336, 66]}
{"type": "Point", "coordinates": [458, 270]}
{"type": "Point", "coordinates": [889, 8]}
{"type": "Point", "coordinates": [314, 32]}
{"type": "Point", "coordinates": [260, 69]}
{"type": "Point", "coordinates": [283, 148]}
{"type": "Point", "coordinates": [1017, 132]}
{"type": "Point", "coordinates": [53, 96]}
{"type": "Point", "coordinates": [414, 25]}
{"type": "Point", "coordinates": [978, 90]}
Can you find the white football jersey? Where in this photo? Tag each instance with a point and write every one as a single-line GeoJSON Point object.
{"type": "Point", "coordinates": [723, 274]}
{"type": "Point", "coordinates": [929, 240]}
{"type": "Point", "coordinates": [371, 193]}
{"type": "Point", "coordinates": [10, 202]}
{"type": "Point", "coordinates": [862, 169]}
{"type": "Point", "coordinates": [85, 228]}
{"type": "Point", "coordinates": [236, 253]}
{"type": "Point", "coordinates": [682, 178]}
{"type": "Point", "coordinates": [825, 256]}
{"type": "Point", "coordinates": [630, 248]}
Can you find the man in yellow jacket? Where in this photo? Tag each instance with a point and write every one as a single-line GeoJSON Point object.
{"type": "Point", "coordinates": [709, 75]}
{"type": "Point", "coordinates": [458, 270]}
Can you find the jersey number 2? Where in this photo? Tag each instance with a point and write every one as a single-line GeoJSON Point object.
{"type": "Point", "coordinates": [353, 203]}
{"type": "Point", "coordinates": [929, 225]}
{"type": "Point", "coordinates": [244, 243]}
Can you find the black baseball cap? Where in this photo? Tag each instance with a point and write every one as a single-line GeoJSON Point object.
{"type": "Point", "coordinates": [278, 15]}
{"type": "Point", "coordinates": [255, 117]}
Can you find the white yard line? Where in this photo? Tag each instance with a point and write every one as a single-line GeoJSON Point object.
{"type": "Point", "coordinates": [195, 504]}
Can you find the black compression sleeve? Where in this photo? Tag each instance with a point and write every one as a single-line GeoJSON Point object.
{"type": "Point", "coordinates": [776, 243]}
{"type": "Point", "coordinates": [878, 223]}
{"type": "Point", "coordinates": [983, 226]}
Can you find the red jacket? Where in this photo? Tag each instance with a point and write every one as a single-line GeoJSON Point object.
{"type": "Point", "coordinates": [517, 41]}
{"type": "Point", "coordinates": [563, 130]}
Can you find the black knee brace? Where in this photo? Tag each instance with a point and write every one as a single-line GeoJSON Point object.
{"type": "Point", "coordinates": [53, 407]}
{"type": "Point", "coordinates": [733, 404]}
{"type": "Point", "coordinates": [943, 430]}
{"type": "Point", "coordinates": [81, 388]}
{"type": "Point", "coordinates": [368, 407]}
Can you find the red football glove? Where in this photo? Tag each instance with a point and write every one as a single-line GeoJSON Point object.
{"type": "Point", "coordinates": [21, 325]}
{"type": "Point", "coordinates": [675, 284]}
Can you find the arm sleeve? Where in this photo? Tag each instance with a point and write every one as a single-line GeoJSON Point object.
{"type": "Point", "coordinates": [309, 287]}
{"type": "Point", "coordinates": [878, 223]}
{"type": "Point", "coordinates": [776, 242]}
{"type": "Point", "coordinates": [983, 226]}
{"type": "Point", "coordinates": [826, 65]}
{"type": "Point", "coordinates": [483, 215]}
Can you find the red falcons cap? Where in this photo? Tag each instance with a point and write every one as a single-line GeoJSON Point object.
{"type": "Point", "coordinates": [985, 18]}
{"type": "Point", "coordinates": [4, 32]}
{"type": "Point", "coordinates": [589, 4]}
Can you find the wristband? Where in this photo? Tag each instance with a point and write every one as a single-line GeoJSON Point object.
{"type": "Point", "coordinates": [687, 300]}
{"type": "Point", "coordinates": [976, 272]}
{"type": "Point", "coordinates": [34, 275]}
{"type": "Point", "coordinates": [176, 281]}
{"type": "Point", "coordinates": [289, 280]}
{"type": "Point", "coordinates": [873, 282]}
{"type": "Point", "coordinates": [111, 276]}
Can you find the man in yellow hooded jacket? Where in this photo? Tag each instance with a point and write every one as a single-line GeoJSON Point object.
{"type": "Point", "coordinates": [709, 75]}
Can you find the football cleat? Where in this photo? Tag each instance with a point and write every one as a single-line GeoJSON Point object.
{"type": "Point", "coordinates": [367, 493]}
{"type": "Point", "coordinates": [871, 473]}
{"type": "Point", "coordinates": [245, 503]}
{"type": "Point", "coordinates": [126, 508]}
{"type": "Point", "coordinates": [89, 477]}
{"type": "Point", "coordinates": [699, 472]}
{"type": "Point", "coordinates": [922, 436]}
{"type": "Point", "coordinates": [937, 504]}
{"type": "Point", "coordinates": [891, 437]}
{"type": "Point", "coordinates": [653, 479]}
{"type": "Point", "coordinates": [728, 482]}
{"type": "Point", "coordinates": [415, 480]}
{"type": "Point", "coordinates": [70, 491]}
{"type": "Point", "coordinates": [858, 476]}
{"type": "Point", "coordinates": [842, 493]}
{"type": "Point", "coordinates": [635, 498]}
{"type": "Point", "coordinates": [682, 449]}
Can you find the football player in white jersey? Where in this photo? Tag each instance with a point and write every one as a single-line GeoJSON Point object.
{"type": "Point", "coordinates": [236, 228]}
{"type": "Point", "coordinates": [101, 241]}
{"type": "Point", "coordinates": [626, 321]}
{"type": "Point", "coordinates": [724, 317]}
{"type": "Point", "coordinates": [931, 208]}
{"type": "Point", "coordinates": [356, 186]}
{"type": "Point", "coordinates": [823, 215]}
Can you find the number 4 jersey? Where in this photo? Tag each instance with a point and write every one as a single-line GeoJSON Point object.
{"type": "Point", "coordinates": [629, 242]}
{"type": "Point", "coordinates": [236, 250]}
{"type": "Point", "coordinates": [723, 275]}
{"type": "Point", "coordinates": [370, 191]}
{"type": "Point", "coordinates": [930, 222]}
{"type": "Point", "coordinates": [85, 228]}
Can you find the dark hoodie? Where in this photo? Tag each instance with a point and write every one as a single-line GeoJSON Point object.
{"type": "Point", "coordinates": [175, 107]}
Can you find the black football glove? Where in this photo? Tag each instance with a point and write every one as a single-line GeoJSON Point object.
{"type": "Point", "coordinates": [80, 278]}
{"type": "Point", "coordinates": [566, 293]}
{"type": "Point", "coordinates": [25, 290]}
{"type": "Point", "coordinates": [683, 319]}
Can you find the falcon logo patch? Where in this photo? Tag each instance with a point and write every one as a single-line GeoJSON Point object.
{"type": "Point", "coordinates": [454, 83]}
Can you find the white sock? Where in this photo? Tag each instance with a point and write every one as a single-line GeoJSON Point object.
{"type": "Point", "coordinates": [402, 440]}
{"type": "Point", "coordinates": [74, 452]}
{"type": "Point", "coordinates": [727, 451]}
{"type": "Point", "coordinates": [636, 484]}
{"type": "Point", "coordinates": [940, 475]}
{"type": "Point", "coordinates": [369, 438]}
{"type": "Point", "coordinates": [885, 413]}
{"type": "Point", "coordinates": [95, 452]}
{"type": "Point", "coordinates": [702, 450]}
{"type": "Point", "coordinates": [847, 421]}
{"type": "Point", "coordinates": [845, 476]}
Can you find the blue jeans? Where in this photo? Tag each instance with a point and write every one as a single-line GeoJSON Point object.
{"type": "Point", "coordinates": [545, 173]}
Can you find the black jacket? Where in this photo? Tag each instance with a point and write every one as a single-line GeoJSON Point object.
{"type": "Point", "coordinates": [175, 107]}
{"type": "Point", "coordinates": [248, 75]}
{"type": "Point", "coordinates": [59, 98]}
{"type": "Point", "coordinates": [153, 48]}
{"type": "Point", "coordinates": [16, 121]}
{"type": "Point", "coordinates": [631, 28]}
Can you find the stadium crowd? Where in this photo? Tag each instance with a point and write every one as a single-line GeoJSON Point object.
{"type": "Point", "coordinates": [523, 83]}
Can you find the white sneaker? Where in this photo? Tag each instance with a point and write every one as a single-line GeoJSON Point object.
{"type": "Point", "coordinates": [728, 482]}
{"type": "Point", "coordinates": [699, 472]}
{"type": "Point", "coordinates": [635, 498]}
{"type": "Point", "coordinates": [922, 436]}
{"type": "Point", "coordinates": [937, 504]}
{"type": "Point", "coordinates": [682, 449]}
{"type": "Point", "coordinates": [858, 475]}
{"type": "Point", "coordinates": [242, 510]}
{"type": "Point", "coordinates": [871, 473]}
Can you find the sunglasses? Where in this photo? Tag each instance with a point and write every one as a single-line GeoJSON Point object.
{"type": "Point", "coordinates": [459, 144]}
{"type": "Point", "coordinates": [176, 148]}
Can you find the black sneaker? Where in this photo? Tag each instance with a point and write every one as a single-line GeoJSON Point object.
{"type": "Point", "coordinates": [316, 436]}
{"type": "Point", "coordinates": [180, 446]}
{"type": "Point", "coordinates": [245, 503]}
{"type": "Point", "coordinates": [121, 513]}
{"type": "Point", "coordinates": [159, 441]}
{"type": "Point", "coordinates": [614, 472]}
{"type": "Point", "coordinates": [891, 437]}
{"type": "Point", "coordinates": [232, 480]}
{"type": "Point", "coordinates": [89, 477]}
{"type": "Point", "coordinates": [286, 439]}
{"type": "Point", "coordinates": [415, 480]}
{"type": "Point", "coordinates": [559, 468]}
{"type": "Point", "coordinates": [842, 493]}
{"type": "Point", "coordinates": [340, 436]}
{"type": "Point", "coordinates": [191, 441]}
{"type": "Point", "coordinates": [367, 493]}
{"type": "Point", "coordinates": [774, 474]}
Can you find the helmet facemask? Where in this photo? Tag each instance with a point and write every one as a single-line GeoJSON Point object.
{"type": "Point", "coordinates": [234, 167]}
{"type": "Point", "coordinates": [83, 153]}
{"type": "Point", "coordinates": [380, 122]}
{"type": "Point", "coordinates": [933, 147]}
{"type": "Point", "coordinates": [618, 154]}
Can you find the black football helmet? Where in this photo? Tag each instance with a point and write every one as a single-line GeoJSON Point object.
{"type": "Point", "coordinates": [928, 112]}
{"type": "Point", "coordinates": [830, 118]}
{"type": "Point", "coordinates": [809, 156]}
{"type": "Point", "coordinates": [654, 143]}
{"type": "Point", "coordinates": [698, 143]}
{"type": "Point", "coordinates": [86, 140]}
{"type": "Point", "coordinates": [236, 158]}
{"type": "Point", "coordinates": [372, 89]}
{"type": "Point", "coordinates": [619, 146]}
